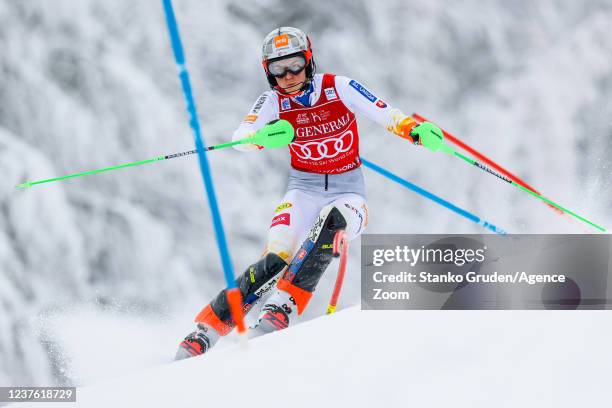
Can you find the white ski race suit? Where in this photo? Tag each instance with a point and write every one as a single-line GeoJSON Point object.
{"type": "Point", "coordinates": [325, 193]}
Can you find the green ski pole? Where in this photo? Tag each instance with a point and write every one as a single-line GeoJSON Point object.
{"type": "Point", "coordinates": [430, 136]}
{"type": "Point", "coordinates": [274, 135]}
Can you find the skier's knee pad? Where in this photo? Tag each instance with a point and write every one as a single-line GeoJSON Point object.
{"type": "Point", "coordinates": [257, 280]}
{"type": "Point", "coordinates": [313, 257]}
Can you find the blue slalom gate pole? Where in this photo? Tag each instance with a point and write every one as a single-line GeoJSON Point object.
{"type": "Point", "coordinates": [391, 176]}
{"type": "Point", "coordinates": [233, 294]}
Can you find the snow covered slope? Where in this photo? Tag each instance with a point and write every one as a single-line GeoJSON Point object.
{"type": "Point", "coordinates": [372, 358]}
{"type": "Point", "coordinates": [89, 83]}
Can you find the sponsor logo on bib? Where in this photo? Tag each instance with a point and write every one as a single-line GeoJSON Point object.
{"type": "Point", "coordinates": [302, 119]}
{"type": "Point", "coordinates": [330, 93]}
{"type": "Point", "coordinates": [327, 148]}
{"type": "Point", "coordinates": [285, 104]}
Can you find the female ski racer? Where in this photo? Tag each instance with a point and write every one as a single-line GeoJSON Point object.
{"type": "Point", "coordinates": [325, 192]}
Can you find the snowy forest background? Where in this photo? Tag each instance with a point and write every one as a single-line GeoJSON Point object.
{"type": "Point", "coordinates": [105, 273]}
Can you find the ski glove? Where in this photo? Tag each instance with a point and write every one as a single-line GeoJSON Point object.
{"type": "Point", "coordinates": [428, 135]}
{"type": "Point", "coordinates": [404, 127]}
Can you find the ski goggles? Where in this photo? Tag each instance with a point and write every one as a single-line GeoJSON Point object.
{"type": "Point", "coordinates": [280, 68]}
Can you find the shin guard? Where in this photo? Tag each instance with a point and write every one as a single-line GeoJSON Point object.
{"type": "Point", "coordinates": [314, 256]}
{"type": "Point", "coordinates": [257, 280]}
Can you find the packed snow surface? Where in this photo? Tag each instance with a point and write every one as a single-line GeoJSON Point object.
{"type": "Point", "coordinates": [360, 358]}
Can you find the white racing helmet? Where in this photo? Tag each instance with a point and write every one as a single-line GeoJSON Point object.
{"type": "Point", "coordinates": [285, 42]}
